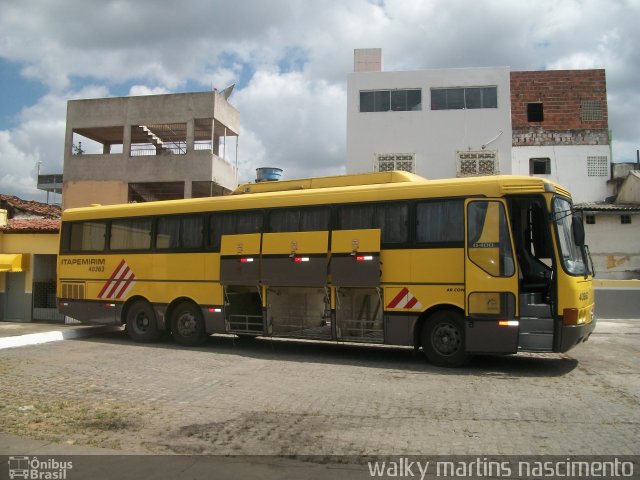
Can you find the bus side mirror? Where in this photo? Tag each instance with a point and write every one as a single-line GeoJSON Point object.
{"type": "Point", "coordinates": [578, 230]}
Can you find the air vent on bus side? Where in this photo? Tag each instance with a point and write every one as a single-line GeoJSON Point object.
{"type": "Point", "coordinates": [73, 291]}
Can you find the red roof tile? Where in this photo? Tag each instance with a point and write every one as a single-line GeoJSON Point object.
{"type": "Point", "coordinates": [32, 225]}
{"type": "Point", "coordinates": [32, 207]}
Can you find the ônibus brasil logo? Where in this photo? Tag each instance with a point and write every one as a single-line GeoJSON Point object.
{"type": "Point", "coordinates": [32, 468]}
{"type": "Point", "coordinates": [120, 282]}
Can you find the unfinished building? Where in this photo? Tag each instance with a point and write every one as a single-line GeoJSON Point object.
{"type": "Point", "coordinates": [146, 148]}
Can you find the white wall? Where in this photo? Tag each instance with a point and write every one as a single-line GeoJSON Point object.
{"type": "Point", "coordinates": [614, 247]}
{"type": "Point", "coordinates": [568, 168]}
{"type": "Point", "coordinates": [434, 136]}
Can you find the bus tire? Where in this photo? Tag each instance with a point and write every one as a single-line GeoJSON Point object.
{"type": "Point", "coordinates": [187, 325]}
{"type": "Point", "coordinates": [443, 339]}
{"type": "Point", "coordinates": [142, 325]}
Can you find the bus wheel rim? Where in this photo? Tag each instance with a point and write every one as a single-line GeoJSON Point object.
{"type": "Point", "coordinates": [142, 322]}
{"type": "Point", "coordinates": [446, 339]}
{"type": "Point", "coordinates": [186, 324]}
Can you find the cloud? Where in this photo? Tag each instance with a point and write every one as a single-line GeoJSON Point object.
{"type": "Point", "coordinates": [290, 60]}
{"type": "Point", "coordinates": [301, 123]}
{"type": "Point", "coordinates": [139, 90]}
{"type": "Point", "coordinates": [38, 138]}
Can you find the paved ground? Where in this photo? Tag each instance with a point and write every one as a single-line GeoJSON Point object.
{"type": "Point", "coordinates": [283, 397]}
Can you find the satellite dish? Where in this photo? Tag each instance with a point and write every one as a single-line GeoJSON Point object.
{"type": "Point", "coordinates": [226, 93]}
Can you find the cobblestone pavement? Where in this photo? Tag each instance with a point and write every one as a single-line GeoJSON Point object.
{"type": "Point", "coordinates": [290, 397]}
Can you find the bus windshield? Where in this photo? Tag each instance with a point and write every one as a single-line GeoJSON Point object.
{"type": "Point", "coordinates": [570, 253]}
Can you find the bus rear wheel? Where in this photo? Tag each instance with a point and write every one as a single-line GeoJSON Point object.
{"type": "Point", "coordinates": [142, 325]}
{"type": "Point", "coordinates": [187, 325]}
{"type": "Point", "coordinates": [443, 339]}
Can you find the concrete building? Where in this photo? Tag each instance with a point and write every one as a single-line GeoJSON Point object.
{"type": "Point", "coordinates": [560, 129]}
{"type": "Point", "coordinates": [436, 123]}
{"type": "Point", "coordinates": [613, 229]}
{"type": "Point", "coordinates": [480, 121]}
{"type": "Point", "coordinates": [28, 259]}
{"type": "Point", "coordinates": [156, 147]}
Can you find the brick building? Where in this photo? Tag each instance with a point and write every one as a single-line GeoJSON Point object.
{"type": "Point", "coordinates": [560, 129]}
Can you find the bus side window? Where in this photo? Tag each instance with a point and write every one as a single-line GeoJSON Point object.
{"type": "Point", "coordinates": [391, 219]}
{"type": "Point", "coordinates": [285, 220]}
{"type": "Point", "coordinates": [231, 224]}
{"type": "Point", "coordinates": [249, 222]}
{"type": "Point", "coordinates": [131, 234]}
{"type": "Point", "coordinates": [356, 217]}
{"type": "Point", "coordinates": [315, 219]}
{"type": "Point", "coordinates": [215, 231]}
{"type": "Point", "coordinates": [85, 236]}
{"type": "Point", "coordinates": [302, 220]}
{"type": "Point", "coordinates": [440, 222]}
{"type": "Point", "coordinates": [168, 233]}
{"type": "Point", "coordinates": [191, 232]}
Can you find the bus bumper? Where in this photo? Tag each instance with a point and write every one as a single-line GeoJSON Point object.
{"type": "Point", "coordinates": [572, 335]}
{"type": "Point", "coordinates": [93, 313]}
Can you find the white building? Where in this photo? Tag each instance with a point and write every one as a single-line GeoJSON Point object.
{"type": "Point", "coordinates": [436, 123]}
{"type": "Point", "coordinates": [480, 121]}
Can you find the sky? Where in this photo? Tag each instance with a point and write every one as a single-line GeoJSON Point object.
{"type": "Point", "coordinates": [289, 60]}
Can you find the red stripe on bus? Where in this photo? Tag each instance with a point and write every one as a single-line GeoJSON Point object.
{"type": "Point", "coordinates": [411, 303]}
{"type": "Point", "coordinates": [113, 275]}
{"type": "Point", "coordinates": [393, 303]}
{"type": "Point", "coordinates": [126, 285]}
{"type": "Point", "coordinates": [122, 277]}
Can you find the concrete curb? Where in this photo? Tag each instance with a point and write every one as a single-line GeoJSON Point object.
{"type": "Point", "coordinates": [53, 336]}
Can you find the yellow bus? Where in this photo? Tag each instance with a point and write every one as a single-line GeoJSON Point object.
{"type": "Point", "coordinates": [456, 267]}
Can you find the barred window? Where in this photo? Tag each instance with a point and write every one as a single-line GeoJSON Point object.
{"type": "Point", "coordinates": [592, 111]}
{"type": "Point", "coordinates": [539, 166]}
{"type": "Point", "coordinates": [597, 166]}
{"type": "Point", "coordinates": [484, 162]}
{"type": "Point", "coordinates": [387, 162]}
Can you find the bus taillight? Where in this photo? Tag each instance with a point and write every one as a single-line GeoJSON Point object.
{"type": "Point", "coordinates": [571, 316]}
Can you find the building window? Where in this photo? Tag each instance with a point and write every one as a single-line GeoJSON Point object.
{"type": "Point", "coordinates": [591, 219]}
{"type": "Point", "coordinates": [591, 111]}
{"type": "Point", "coordinates": [539, 166]}
{"type": "Point", "coordinates": [535, 112]}
{"type": "Point", "coordinates": [625, 219]}
{"type": "Point", "coordinates": [400, 100]}
{"type": "Point", "coordinates": [597, 166]}
{"type": "Point", "coordinates": [461, 98]}
{"type": "Point", "coordinates": [387, 162]}
{"type": "Point", "coordinates": [471, 164]}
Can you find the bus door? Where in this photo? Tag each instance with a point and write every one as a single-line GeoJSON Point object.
{"type": "Point", "coordinates": [491, 282]}
{"type": "Point", "coordinates": [355, 275]}
{"type": "Point", "coordinates": [240, 278]}
{"type": "Point", "coordinates": [294, 273]}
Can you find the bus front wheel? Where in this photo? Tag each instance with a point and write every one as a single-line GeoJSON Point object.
{"type": "Point", "coordinates": [443, 339]}
{"type": "Point", "coordinates": [187, 325]}
{"type": "Point", "coordinates": [142, 325]}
